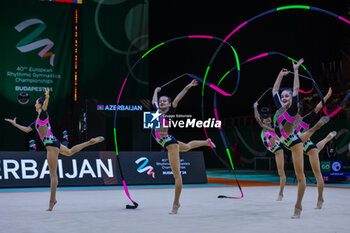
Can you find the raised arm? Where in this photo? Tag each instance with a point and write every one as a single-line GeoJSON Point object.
{"type": "Point", "coordinates": [183, 92]}
{"type": "Point", "coordinates": [256, 113]}
{"type": "Point", "coordinates": [155, 95]}
{"type": "Point", "coordinates": [47, 97]}
{"type": "Point", "coordinates": [257, 118]}
{"type": "Point", "coordinates": [319, 105]}
{"type": "Point", "coordinates": [278, 81]}
{"type": "Point", "coordinates": [296, 84]}
{"type": "Point", "coordinates": [21, 127]}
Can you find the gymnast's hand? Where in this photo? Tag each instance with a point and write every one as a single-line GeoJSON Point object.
{"type": "Point", "coordinates": [13, 122]}
{"type": "Point", "coordinates": [297, 65]}
{"type": "Point", "coordinates": [284, 72]}
{"type": "Point", "coordinates": [329, 93]}
{"type": "Point", "coordinates": [47, 93]}
{"type": "Point", "coordinates": [255, 104]}
{"type": "Point", "coordinates": [158, 89]}
{"type": "Point", "coordinates": [193, 83]}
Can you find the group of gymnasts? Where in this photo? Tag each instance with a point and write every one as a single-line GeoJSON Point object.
{"type": "Point", "coordinates": [288, 129]}
{"type": "Point", "coordinates": [54, 147]}
{"type": "Point", "coordinates": [292, 131]}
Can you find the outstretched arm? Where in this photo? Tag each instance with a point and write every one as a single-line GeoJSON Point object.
{"type": "Point", "coordinates": [183, 92]}
{"type": "Point", "coordinates": [278, 81]}
{"type": "Point", "coordinates": [21, 127]}
{"type": "Point", "coordinates": [296, 84]}
{"type": "Point", "coordinates": [319, 105]}
{"type": "Point", "coordinates": [257, 118]}
{"type": "Point", "coordinates": [47, 96]}
{"type": "Point", "coordinates": [155, 95]}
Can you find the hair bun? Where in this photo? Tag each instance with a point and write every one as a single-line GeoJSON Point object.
{"type": "Point", "coordinates": [265, 112]}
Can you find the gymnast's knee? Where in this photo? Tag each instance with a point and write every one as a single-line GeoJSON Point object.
{"type": "Point", "coordinates": [185, 148]}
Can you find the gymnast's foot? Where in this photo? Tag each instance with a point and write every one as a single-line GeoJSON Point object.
{"type": "Point", "coordinates": [331, 135]}
{"type": "Point", "coordinates": [324, 120]}
{"type": "Point", "coordinates": [280, 197]}
{"type": "Point", "coordinates": [99, 139]}
{"type": "Point", "coordinates": [297, 213]}
{"type": "Point", "coordinates": [51, 205]}
{"type": "Point", "coordinates": [211, 142]}
{"type": "Point", "coordinates": [175, 208]}
{"type": "Point", "coordinates": [319, 204]}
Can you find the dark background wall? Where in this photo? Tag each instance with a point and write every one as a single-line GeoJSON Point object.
{"type": "Point", "coordinates": [318, 38]}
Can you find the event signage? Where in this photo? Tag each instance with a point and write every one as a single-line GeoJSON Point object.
{"type": "Point", "coordinates": [23, 169]}
{"type": "Point", "coordinates": [335, 170]}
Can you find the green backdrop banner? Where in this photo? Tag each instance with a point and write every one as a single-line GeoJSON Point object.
{"type": "Point", "coordinates": [115, 35]}
{"type": "Point", "coordinates": [36, 52]}
{"type": "Point", "coordinates": [36, 47]}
